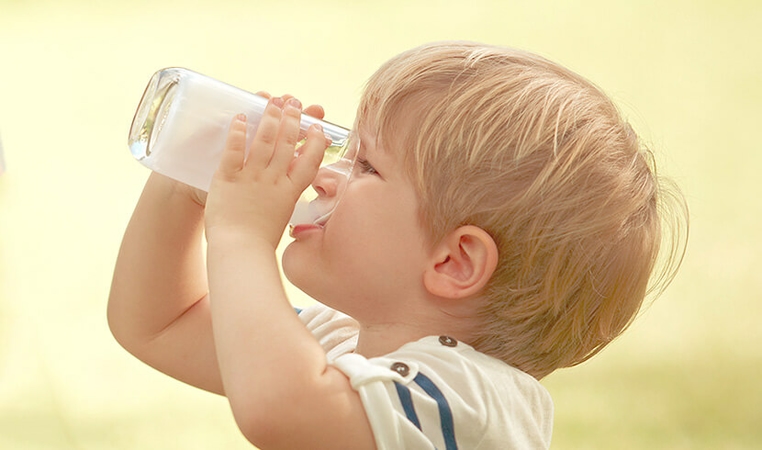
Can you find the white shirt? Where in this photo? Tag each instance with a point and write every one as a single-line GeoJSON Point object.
{"type": "Point", "coordinates": [437, 393]}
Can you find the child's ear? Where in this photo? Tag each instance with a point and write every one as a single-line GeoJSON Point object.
{"type": "Point", "coordinates": [462, 263]}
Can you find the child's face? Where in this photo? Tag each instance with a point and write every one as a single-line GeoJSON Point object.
{"type": "Point", "coordinates": [369, 257]}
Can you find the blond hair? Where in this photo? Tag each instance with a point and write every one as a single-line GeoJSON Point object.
{"type": "Point", "coordinates": [542, 160]}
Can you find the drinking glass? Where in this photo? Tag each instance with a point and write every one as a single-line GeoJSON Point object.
{"type": "Point", "coordinates": [181, 125]}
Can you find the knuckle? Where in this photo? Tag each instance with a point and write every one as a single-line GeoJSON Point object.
{"type": "Point", "coordinates": [268, 136]}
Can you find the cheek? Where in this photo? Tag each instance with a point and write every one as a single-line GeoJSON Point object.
{"type": "Point", "coordinates": [377, 236]}
{"type": "Point", "coordinates": [367, 242]}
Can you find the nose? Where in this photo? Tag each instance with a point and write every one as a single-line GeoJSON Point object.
{"type": "Point", "coordinates": [330, 179]}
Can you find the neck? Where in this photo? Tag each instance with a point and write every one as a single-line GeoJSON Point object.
{"type": "Point", "coordinates": [380, 339]}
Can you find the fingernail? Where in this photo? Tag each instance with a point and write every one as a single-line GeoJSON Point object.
{"type": "Point", "coordinates": [294, 103]}
{"type": "Point", "coordinates": [277, 101]}
{"type": "Point", "coordinates": [328, 140]}
{"type": "Point", "coordinates": [240, 117]}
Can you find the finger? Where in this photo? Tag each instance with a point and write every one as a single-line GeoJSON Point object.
{"type": "Point", "coordinates": [315, 111]}
{"type": "Point", "coordinates": [305, 167]}
{"type": "Point", "coordinates": [234, 152]}
{"type": "Point", "coordinates": [288, 136]}
{"type": "Point", "coordinates": [264, 94]}
{"type": "Point", "coordinates": [286, 98]}
{"type": "Point", "coordinates": [267, 134]}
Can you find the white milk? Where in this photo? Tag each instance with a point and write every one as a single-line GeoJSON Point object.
{"type": "Point", "coordinates": [181, 124]}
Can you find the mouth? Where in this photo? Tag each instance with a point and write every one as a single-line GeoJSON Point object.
{"type": "Point", "coordinates": [295, 230]}
{"type": "Point", "coordinates": [308, 217]}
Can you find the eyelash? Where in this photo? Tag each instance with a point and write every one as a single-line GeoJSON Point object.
{"type": "Point", "coordinates": [365, 167]}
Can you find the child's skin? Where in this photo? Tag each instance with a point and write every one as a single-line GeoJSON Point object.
{"type": "Point", "coordinates": [229, 328]}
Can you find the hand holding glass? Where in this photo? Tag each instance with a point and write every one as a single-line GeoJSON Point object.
{"type": "Point", "coordinates": [182, 121]}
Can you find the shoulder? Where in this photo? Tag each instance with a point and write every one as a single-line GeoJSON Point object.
{"type": "Point", "coordinates": [444, 393]}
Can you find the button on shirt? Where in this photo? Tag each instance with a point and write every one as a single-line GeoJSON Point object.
{"type": "Point", "coordinates": [437, 393]}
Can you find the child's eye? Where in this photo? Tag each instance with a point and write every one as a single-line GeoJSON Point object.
{"type": "Point", "coordinates": [365, 167]}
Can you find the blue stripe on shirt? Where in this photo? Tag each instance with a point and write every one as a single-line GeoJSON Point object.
{"type": "Point", "coordinates": [445, 413]}
{"type": "Point", "coordinates": [407, 404]}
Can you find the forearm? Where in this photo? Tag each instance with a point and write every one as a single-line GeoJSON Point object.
{"type": "Point", "coordinates": [255, 326]}
{"type": "Point", "coordinates": [275, 374]}
{"type": "Point", "coordinates": [273, 370]}
{"type": "Point", "coordinates": [160, 278]}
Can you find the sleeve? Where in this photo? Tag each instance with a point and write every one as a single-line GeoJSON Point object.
{"type": "Point", "coordinates": [437, 393]}
{"type": "Point", "coordinates": [395, 425]}
{"type": "Point", "coordinates": [336, 332]}
{"type": "Point", "coordinates": [410, 405]}
{"type": "Point", "coordinates": [431, 396]}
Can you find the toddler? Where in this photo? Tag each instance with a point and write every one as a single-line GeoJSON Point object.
{"type": "Point", "coordinates": [501, 221]}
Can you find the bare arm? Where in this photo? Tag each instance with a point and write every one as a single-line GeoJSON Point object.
{"type": "Point", "coordinates": [282, 391]}
{"type": "Point", "coordinates": [158, 307]}
{"type": "Point", "coordinates": [247, 342]}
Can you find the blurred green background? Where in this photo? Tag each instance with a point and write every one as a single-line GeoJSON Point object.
{"type": "Point", "coordinates": [687, 73]}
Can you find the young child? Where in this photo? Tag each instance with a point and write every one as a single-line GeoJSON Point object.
{"type": "Point", "coordinates": [502, 221]}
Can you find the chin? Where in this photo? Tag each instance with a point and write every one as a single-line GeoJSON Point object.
{"type": "Point", "coordinates": [290, 263]}
{"type": "Point", "coordinates": [298, 269]}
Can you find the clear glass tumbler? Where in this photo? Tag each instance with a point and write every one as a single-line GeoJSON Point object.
{"type": "Point", "coordinates": [181, 125]}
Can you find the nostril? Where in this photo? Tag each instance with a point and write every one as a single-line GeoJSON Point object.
{"type": "Point", "coordinates": [325, 184]}
{"type": "Point", "coordinates": [321, 192]}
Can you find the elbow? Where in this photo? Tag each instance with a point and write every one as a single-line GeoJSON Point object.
{"type": "Point", "coordinates": [118, 330]}
{"type": "Point", "coordinates": [266, 424]}
{"type": "Point", "coordinates": [260, 431]}
{"type": "Point", "coordinates": [114, 324]}
{"type": "Point", "coordinates": [119, 326]}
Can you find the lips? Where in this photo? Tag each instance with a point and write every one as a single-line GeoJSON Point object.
{"type": "Point", "coordinates": [295, 230]}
